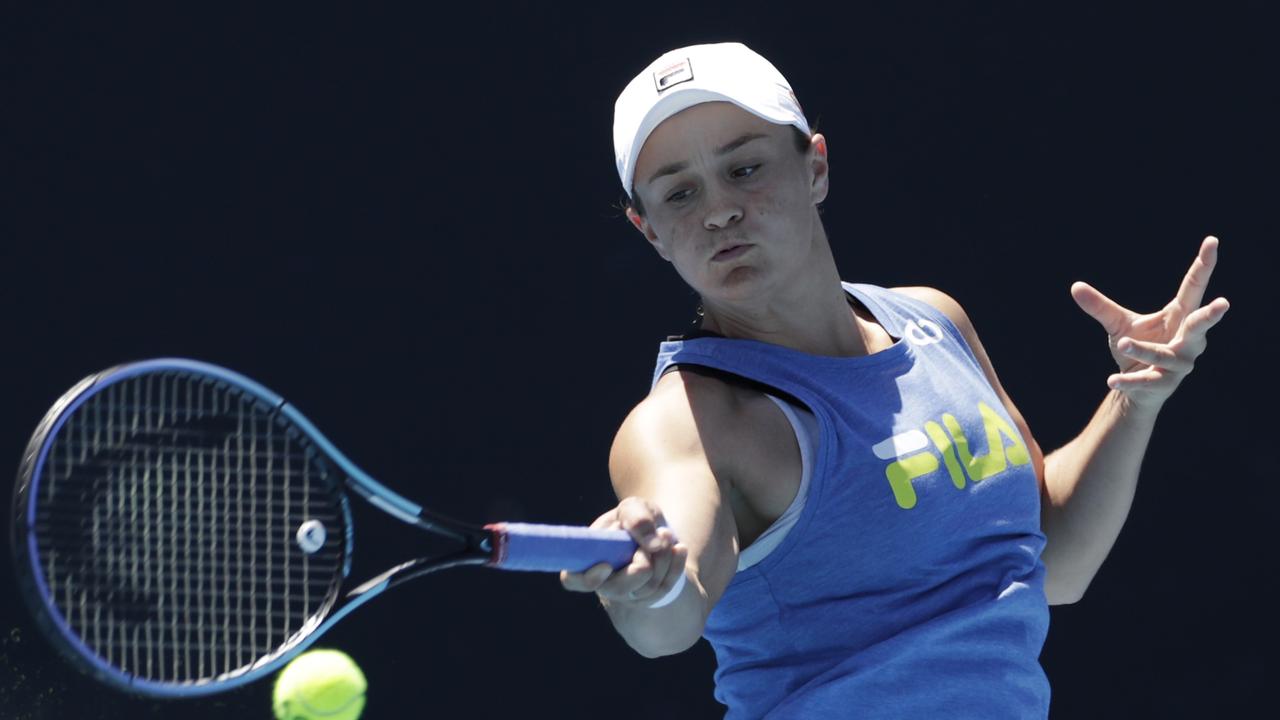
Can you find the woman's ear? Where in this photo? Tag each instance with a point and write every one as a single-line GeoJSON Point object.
{"type": "Point", "coordinates": [636, 220]}
{"type": "Point", "coordinates": [819, 167]}
{"type": "Point", "coordinates": [639, 223]}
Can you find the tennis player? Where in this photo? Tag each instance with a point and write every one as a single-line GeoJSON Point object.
{"type": "Point", "coordinates": [866, 526]}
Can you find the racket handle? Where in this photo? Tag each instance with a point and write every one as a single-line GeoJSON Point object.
{"type": "Point", "coordinates": [552, 548]}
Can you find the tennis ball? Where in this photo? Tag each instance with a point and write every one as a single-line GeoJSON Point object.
{"type": "Point", "coordinates": [320, 685]}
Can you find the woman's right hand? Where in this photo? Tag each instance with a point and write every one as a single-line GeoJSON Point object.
{"type": "Point", "coordinates": [655, 568]}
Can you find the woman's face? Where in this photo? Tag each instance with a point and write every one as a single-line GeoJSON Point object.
{"type": "Point", "coordinates": [729, 201]}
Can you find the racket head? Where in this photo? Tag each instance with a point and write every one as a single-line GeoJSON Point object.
{"type": "Point", "coordinates": [165, 608]}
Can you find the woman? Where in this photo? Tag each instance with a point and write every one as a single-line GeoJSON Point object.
{"type": "Point", "coordinates": [866, 526]}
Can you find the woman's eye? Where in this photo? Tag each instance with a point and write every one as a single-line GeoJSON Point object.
{"type": "Point", "coordinates": [677, 196]}
{"type": "Point", "coordinates": [747, 171]}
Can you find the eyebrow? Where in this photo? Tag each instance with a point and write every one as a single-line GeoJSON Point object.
{"type": "Point", "coordinates": [725, 149]}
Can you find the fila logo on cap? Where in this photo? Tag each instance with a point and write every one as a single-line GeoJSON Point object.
{"type": "Point", "coordinates": [672, 75]}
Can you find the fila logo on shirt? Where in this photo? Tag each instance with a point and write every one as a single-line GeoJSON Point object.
{"type": "Point", "coordinates": [922, 332]}
{"type": "Point", "coordinates": [914, 457]}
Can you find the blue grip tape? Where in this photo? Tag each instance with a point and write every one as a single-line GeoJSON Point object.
{"type": "Point", "coordinates": [552, 548]}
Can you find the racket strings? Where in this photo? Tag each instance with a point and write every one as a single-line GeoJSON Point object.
{"type": "Point", "coordinates": [181, 565]}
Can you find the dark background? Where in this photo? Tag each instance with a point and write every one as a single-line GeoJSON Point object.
{"type": "Point", "coordinates": [405, 221]}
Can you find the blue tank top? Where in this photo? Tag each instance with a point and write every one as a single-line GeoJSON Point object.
{"type": "Point", "coordinates": [911, 585]}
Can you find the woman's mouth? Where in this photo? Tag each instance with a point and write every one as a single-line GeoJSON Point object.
{"type": "Point", "coordinates": [730, 253]}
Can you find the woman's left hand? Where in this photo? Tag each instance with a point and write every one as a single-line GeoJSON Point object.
{"type": "Point", "coordinates": [1156, 351]}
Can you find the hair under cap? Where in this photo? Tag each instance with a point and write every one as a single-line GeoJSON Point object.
{"type": "Point", "coordinates": [687, 76]}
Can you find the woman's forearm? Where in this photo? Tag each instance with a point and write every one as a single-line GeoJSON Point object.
{"type": "Point", "coordinates": [1090, 483]}
{"type": "Point", "coordinates": [655, 632]}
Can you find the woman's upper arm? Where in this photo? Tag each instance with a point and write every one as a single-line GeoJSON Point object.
{"type": "Point", "coordinates": [661, 454]}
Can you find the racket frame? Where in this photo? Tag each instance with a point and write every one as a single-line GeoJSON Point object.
{"type": "Point", "coordinates": [507, 546]}
{"type": "Point", "coordinates": [477, 542]}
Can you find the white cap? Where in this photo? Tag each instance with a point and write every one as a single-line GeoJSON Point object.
{"type": "Point", "coordinates": [696, 74]}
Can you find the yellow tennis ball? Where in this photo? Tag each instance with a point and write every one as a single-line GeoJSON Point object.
{"type": "Point", "coordinates": [320, 685]}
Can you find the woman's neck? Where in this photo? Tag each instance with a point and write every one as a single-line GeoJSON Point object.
{"type": "Point", "coordinates": [813, 316]}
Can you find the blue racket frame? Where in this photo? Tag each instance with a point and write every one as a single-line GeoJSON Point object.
{"type": "Point", "coordinates": [509, 546]}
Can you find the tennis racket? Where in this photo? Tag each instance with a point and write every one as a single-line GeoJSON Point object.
{"type": "Point", "coordinates": [180, 530]}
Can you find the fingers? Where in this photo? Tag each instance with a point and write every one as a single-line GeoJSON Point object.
{"type": "Point", "coordinates": [1113, 317]}
{"type": "Point", "coordinates": [626, 584]}
{"type": "Point", "coordinates": [1174, 337]}
{"type": "Point", "coordinates": [1201, 321]}
{"type": "Point", "coordinates": [1168, 364]}
{"type": "Point", "coordinates": [1157, 354]}
{"type": "Point", "coordinates": [641, 519]}
{"type": "Point", "coordinates": [661, 558]}
{"type": "Point", "coordinates": [1132, 380]}
{"type": "Point", "coordinates": [1179, 355]}
{"type": "Point", "coordinates": [665, 571]}
{"type": "Point", "coordinates": [591, 579]}
{"type": "Point", "coordinates": [1196, 281]}
{"type": "Point", "coordinates": [652, 571]}
{"type": "Point", "coordinates": [588, 581]}
{"type": "Point", "coordinates": [656, 565]}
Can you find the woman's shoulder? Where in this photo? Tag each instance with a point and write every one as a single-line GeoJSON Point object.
{"type": "Point", "coordinates": [724, 415]}
{"type": "Point", "coordinates": [709, 398]}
